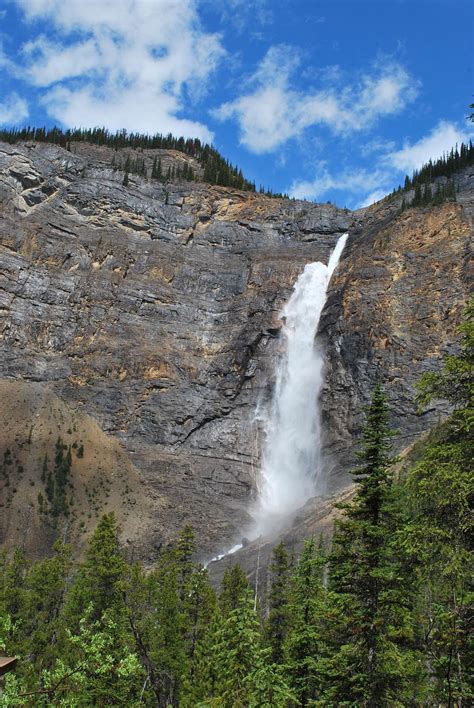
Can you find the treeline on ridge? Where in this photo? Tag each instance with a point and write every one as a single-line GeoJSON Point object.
{"type": "Point", "coordinates": [217, 170]}
{"type": "Point", "coordinates": [422, 180]}
{"type": "Point", "coordinates": [380, 618]}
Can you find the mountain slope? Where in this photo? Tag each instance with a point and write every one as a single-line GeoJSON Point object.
{"type": "Point", "coordinates": [153, 309]}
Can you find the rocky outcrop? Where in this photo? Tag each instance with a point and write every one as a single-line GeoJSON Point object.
{"type": "Point", "coordinates": [395, 304]}
{"type": "Point", "coordinates": [153, 310]}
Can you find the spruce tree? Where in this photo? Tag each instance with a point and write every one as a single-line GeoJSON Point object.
{"type": "Point", "coordinates": [164, 631]}
{"type": "Point", "coordinates": [438, 493]}
{"type": "Point", "coordinates": [244, 676]}
{"type": "Point", "coordinates": [100, 577]}
{"type": "Point", "coordinates": [277, 624]}
{"type": "Point", "coordinates": [234, 586]}
{"type": "Point", "coordinates": [303, 647]}
{"type": "Point", "coordinates": [184, 551]}
{"type": "Point", "coordinates": [369, 660]}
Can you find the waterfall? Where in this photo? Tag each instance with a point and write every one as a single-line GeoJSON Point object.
{"type": "Point", "coordinates": [291, 460]}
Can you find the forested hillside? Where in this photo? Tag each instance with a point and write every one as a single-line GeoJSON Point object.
{"type": "Point", "coordinates": [379, 616]}
{"type": "Point", "coordinates": [216, 169]}
{"type": "Point", "coordinates": [433, 184]}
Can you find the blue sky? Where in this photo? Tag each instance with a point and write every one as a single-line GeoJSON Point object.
{"type": "Point", "coordinates": [333, 100]}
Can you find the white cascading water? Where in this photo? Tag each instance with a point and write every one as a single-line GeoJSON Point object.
{"type": "Point", "coordinates": [291, 463]}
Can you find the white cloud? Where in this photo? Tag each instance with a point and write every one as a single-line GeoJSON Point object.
{"type": "Point", "coordinates": [244, 15]}
{"type": "Point", "coordinates": [121, 63]}
{"type": "Point", "coordinates": [271, 112]}
{"type": "Point", "coordinates": [354, 181]}
{"type": "Point", "coordinates": [373, 197]}
{"type": "Point", "coordinates": [441, 139]}
{"type": "Point", "coordinates": [13, 110]}
{"type": "Point", "coordinates": [368, 187]}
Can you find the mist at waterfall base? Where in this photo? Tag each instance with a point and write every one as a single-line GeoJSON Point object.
{"type": "Point", "coordinates": [291, 469]}
{"type": "Point", "coordinates": [291, 459]}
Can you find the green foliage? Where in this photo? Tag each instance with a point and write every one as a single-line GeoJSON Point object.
{"type": "Point", "coordinates": [244, 677]}
{"type": "Point", "coordinates": [440, 173]}
{"type": "Point", "coordinates": [98, 581]}
{"type": "Point", "coordinates": [234, 587]}
{"type": "Point", "coordinates": [382, 621]}
{"type": "Point", "coordinates": [217, 170]}
{"type": "Point", "coordinates": [370, 660]}
{"type": "Point", "coordinates": [306, 610]}
{"type": "Point", "coordinates": [277, 624]}
{"type": "Point", "coordinates": [439, 493]}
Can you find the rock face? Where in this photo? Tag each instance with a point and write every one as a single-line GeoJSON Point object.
{"type": "Point", "coordinates": [153, 309]}
{"type": "Point", "coordinates": [396, 301]}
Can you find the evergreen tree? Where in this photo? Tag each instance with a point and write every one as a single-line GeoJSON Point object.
{"type": "Point", "coordinates": [202, 681]}
{"type": "Point", "coordinates": [277, 623]}
{"type": "Point", "coordinates": [370, 661]}
{"type": "Point", "coordinates": [304, 643]}
{"type": "Point", "coordinates": [100, 577]}
{"type": "Point", "coordinates": [199, 606]}
{"type": "Point", "coordinates": [42, 623]}
{"type": "Point", "coordinates": [184, 551]}
{"type": "Point", "coordinates": [438, 493]}
{"type": "Point", "coordinates": [234, 587]}
{"type": "Point", "coordinates": [164, 632]}
{"type": "Point", "coordinates": [244, 676]}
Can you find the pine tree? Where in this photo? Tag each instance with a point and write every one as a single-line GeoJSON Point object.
{"type": "Point", "coordinates": [244, 675]}
{"type": "Point", "coordinates": [184, 551]}
{"type": "Point", "coordinates": [438, 493]}
{"type": "Point", "coordinates": [100, 577]}
{"type": "Point", "coordinates": [417, 198]}
{"type": "Point", "coordinates": [46, 589]}
{"type": "Point", "coordinates": [234, 586]}
{"type": "Point", "coordinates": [201, 684]}
{"type": "Point", "coordinates": [163, 632]}
{"type": "Point", "coordinates": [277, 624]}
{"type": "Point", "coordinates": [370, 662]}
{"type": "Point", "coordinates": [199, 606]}
{"type": "Point", "coordinates": [303, 647]}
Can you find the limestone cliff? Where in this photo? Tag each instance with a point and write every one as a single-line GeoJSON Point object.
{"type": "Point", "coordinates": [151, 312]}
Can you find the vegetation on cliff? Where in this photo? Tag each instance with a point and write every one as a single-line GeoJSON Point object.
{"type": "Point", "coordinates": [216, 169]}
{"type": "Point", "coordinates": [380, 619]}
{"type": "Point", "coordinates": [433, 184]}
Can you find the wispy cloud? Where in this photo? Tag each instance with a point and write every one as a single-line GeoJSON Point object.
{"type": "Point", "coordinates": [271, 111]}
{"type": "Point", "coordinates": [368, 186]}
{"type": "Point", "coordinates": [244, 15]}
{"type": "Point", "coordinates": [120, 63]}
{"type": "Point", "coordinates": [371, 198]}
{"type": "Point", "coordinates": [441, 139]}
{"type": "Point", "coordinates": [353, 181]}
{"type": "Point", "coordinates": [13, 110]}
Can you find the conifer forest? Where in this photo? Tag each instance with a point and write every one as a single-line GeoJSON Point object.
{"type": "Point", "coordinates": [236, 354]}
{"type": "Point", "coordinates": [378, 615]}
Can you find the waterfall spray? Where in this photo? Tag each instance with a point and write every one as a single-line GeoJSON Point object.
{"type": "Point", "coordinates": [291, 462]}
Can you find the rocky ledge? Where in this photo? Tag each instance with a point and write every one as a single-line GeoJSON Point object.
{"type": "Point", "coordinates": [154, 311]}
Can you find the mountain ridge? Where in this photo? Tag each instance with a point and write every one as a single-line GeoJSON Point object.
{"type": "Point", "coordinates": [155, 309]}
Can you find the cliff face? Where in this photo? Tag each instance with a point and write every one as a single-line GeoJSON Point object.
{"type": "Point", "coordinates": [152, 310]}
{"type": "Point", "coordinates": [396, 302]}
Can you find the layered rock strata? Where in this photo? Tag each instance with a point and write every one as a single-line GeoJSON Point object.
{"type": "Point", "coordinates": [153, 310]}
